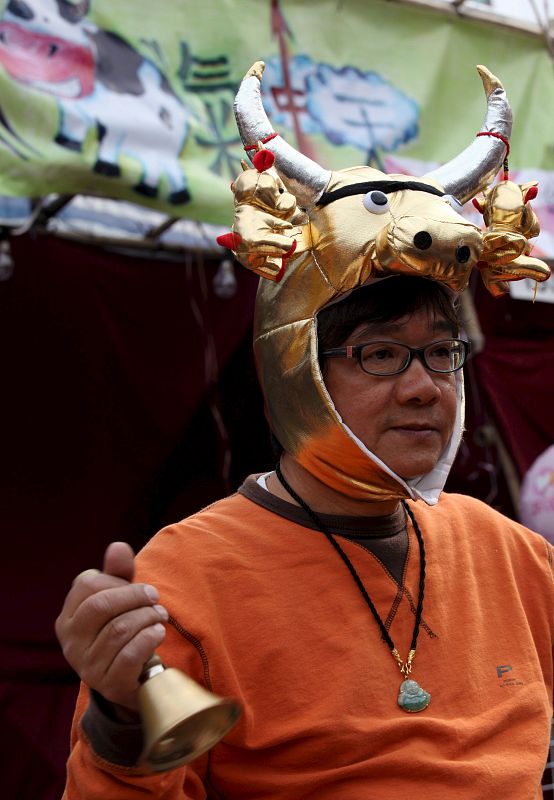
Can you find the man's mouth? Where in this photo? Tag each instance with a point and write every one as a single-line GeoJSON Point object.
{"type": "Point", "coordinates": [415, 427]}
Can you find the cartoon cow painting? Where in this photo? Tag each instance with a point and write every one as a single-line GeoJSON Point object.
{"type": "Point", "coordinates": [101, 83]}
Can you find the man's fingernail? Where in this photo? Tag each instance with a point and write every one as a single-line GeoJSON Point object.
{"type": "Point", "coordinates": [152, 592]}
{"type": "Point", "coordinates": [161, 611]}
{"type": "Point", "coordinates": [85, 574]}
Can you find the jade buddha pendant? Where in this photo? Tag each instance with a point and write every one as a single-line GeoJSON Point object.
{"type": "Point", "coordinates": [412, 697]}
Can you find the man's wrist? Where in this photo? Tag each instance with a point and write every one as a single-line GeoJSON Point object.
{"type": "Point", "coordinates": [114, 732]}
{"type": "Point", "coordinates": [115, 711]}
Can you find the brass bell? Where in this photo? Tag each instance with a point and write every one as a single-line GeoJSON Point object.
{"type": "Point", "coordinates": [180, 719]}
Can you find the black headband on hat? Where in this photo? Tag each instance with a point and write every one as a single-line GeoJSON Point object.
{"type": "Point", "coordinates": [387, 187]}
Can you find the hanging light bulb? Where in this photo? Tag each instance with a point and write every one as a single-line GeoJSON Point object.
{"type": "Point", "coordinates": [225, 282]}
{"type": "Point", "coordinates": [6, 260]}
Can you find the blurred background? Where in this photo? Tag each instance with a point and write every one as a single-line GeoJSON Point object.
{"type": "Point", "coordinates": [129, 396]}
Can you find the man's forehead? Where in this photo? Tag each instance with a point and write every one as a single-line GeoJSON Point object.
{"type": "Point", "coordinates": [435, 323]}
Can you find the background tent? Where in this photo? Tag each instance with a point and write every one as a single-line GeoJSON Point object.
{"type": "Point", "coordinates": [129, 396]}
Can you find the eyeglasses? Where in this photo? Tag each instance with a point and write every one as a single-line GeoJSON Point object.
{"type": "Point", "coordinates": [392, 358]}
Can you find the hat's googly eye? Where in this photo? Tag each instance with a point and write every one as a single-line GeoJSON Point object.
{"type": "Point", "coordinates": [376, 202]}
{"type": "Point", "coordinates": [452, 201]}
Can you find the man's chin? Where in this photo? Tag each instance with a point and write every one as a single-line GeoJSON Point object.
{"type": "Point", "coordinates": [411, 454]}
{"type": "Point", "coordinates": [415, 469]}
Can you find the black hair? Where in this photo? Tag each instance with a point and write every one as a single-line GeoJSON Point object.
{"type": "Point", "coordinates": [381, 302]}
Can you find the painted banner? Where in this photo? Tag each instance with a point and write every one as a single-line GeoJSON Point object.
{"type": "Point", "coordinates": [133, 100]}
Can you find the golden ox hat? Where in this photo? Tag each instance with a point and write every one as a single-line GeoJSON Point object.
{"type": "Point", "coordinates": [334, 232]}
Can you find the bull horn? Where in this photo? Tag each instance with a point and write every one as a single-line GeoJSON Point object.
{"type": "Point", "coordinates": [475, 167]}
{"type": "Point", "coordinates": [303, 177]}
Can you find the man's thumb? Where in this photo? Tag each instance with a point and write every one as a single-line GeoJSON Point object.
{"type": "Point", "coordinates": [119, 561]}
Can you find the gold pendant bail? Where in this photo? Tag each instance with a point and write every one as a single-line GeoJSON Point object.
{"type": "Point", "coordinates": [404, 666]}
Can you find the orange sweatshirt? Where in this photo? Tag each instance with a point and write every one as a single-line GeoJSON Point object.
{"type": "Point", "coordinates": [266, 612]}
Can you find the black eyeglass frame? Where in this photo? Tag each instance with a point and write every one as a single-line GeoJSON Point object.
{"type": "Point", "coordinates": [355, 351]}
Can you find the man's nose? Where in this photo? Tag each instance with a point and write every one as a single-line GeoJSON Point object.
{"type": "Point", "coordinates": [417, 383]}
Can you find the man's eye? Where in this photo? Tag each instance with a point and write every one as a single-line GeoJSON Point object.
{"type": "Point", "coordinates": [443, 356]}
{"type": "Point", "coordinates": [378, 354]}
{"type": "Point", "coordinates": [443, 351]}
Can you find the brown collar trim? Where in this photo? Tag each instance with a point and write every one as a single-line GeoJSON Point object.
{"type": "Point", "coordinates": [350, 526]}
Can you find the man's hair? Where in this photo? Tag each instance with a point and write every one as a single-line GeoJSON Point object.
{"type": "Point", "coordinates": [385, 301]}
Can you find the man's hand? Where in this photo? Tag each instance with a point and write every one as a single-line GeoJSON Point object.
{"type": "Point", "coordinates": [109, 627]}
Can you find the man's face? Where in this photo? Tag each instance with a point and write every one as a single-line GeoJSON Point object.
{"type": "Point", "coordinates": [405, 420]}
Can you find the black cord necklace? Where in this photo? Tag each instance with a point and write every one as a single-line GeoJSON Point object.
{"type": "Point", "coordinates": [411, 697]}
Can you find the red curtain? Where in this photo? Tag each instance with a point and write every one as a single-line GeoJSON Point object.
{"type": "Point", "coordinates": [516, 372]}
{"type": "Point", "coordinates": [112, 370]}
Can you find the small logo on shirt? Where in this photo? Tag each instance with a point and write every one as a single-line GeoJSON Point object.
{"type": "Point", "coordinates": [505, 676]}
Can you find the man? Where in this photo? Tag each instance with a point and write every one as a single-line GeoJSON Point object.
{"type": "Point", "coordinates": [380, 640]}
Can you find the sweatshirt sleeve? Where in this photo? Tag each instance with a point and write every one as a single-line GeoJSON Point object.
{"type": "Point", "coordinates": [91, 776]}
